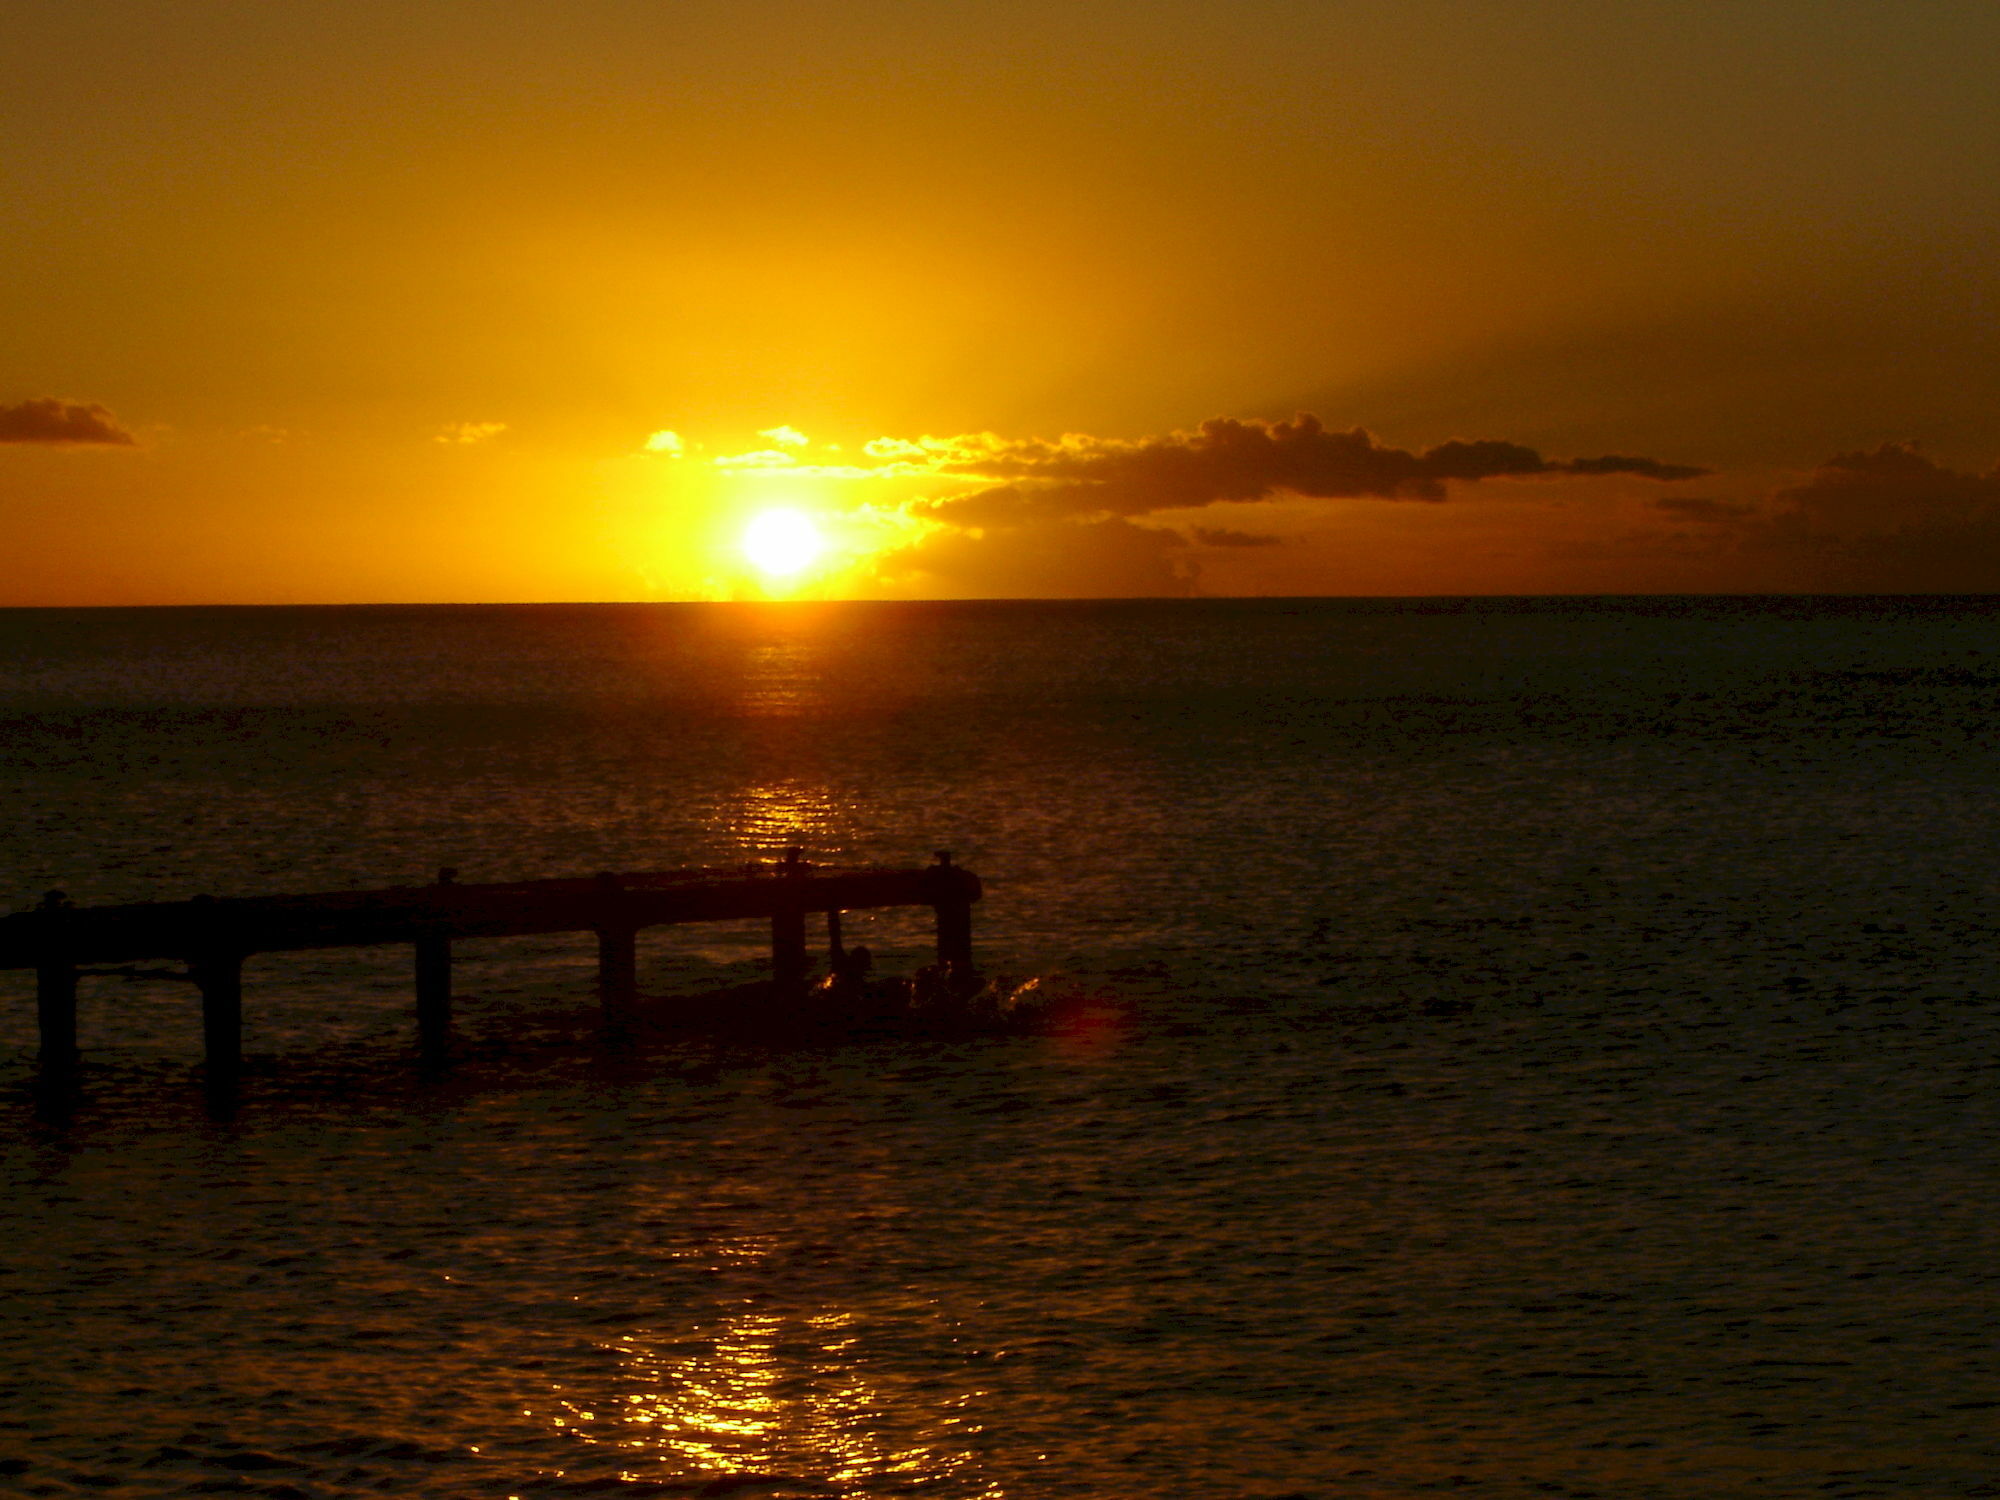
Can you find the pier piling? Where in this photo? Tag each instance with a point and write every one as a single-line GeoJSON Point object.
{"type": "Point", "coordinates": [55, 986]}
{"type": "Point", "coordinates": [433, 976]}
{"type": "Point", "coordinates": [953, 894]}
{"type": "Point", "coordinates": [954, 937]}
{"type": "Point", "coordinates": [55, 1011]}
{"type": "Point", "coordinates": [617, 978]}
{"type": "Point", "coordinates": [791, 960]}
{"type": "Point", "coordinates": [219, 976]}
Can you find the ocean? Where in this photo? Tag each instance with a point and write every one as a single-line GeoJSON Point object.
{"type": "Point", "coordinates": [1518, 1048]}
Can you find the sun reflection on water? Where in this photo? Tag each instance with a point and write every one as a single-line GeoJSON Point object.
{"type": "Point", "coordinates": [767, 1394]}
{"type": "Point", "coordinates": [781, 813]}
{"type": "Point", "coordinates": [782, 680]}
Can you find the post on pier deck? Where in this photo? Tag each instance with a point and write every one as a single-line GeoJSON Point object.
{"type": "Point", "coordinates": [218, 974]}
{"type": "Point", "coordinates": [433, 975]}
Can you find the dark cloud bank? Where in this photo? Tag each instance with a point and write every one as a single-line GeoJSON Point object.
{"type": "Point", "coordinates": [47, 420]}
{"type": "Point", "coordinates": [1887, 521]}
{"type": "Point", "coordinates": [1232, 460]}
{"type": "Point", "coordinates": [1055, 519]}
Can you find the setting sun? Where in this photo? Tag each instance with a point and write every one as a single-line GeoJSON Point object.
{"type": "Point", "coordinates": [782, 543]}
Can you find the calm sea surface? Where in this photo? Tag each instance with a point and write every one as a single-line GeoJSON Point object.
{"type": "Point", "coordinates": [1526, 1049]}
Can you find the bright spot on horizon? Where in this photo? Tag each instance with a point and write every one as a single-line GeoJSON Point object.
{"type": "Point", "coordinates": [782, 543]}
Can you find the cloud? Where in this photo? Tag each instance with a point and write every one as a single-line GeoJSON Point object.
{"type": "Point", "coordinates": [1229, 460]}
{"type": "Point", "coordinates": [1217, 536]}
{"type": "Point", "coordinates": [47, 420]}
{"type": "Point", "coordinates": [1697, 508]}
{"type": "Point", "coordinates": [1105, 559]}
{"type": "Point", "coordinates": [784, 437]}
{"type": "Point", "coordinates": [1890, 492]}
{"type": "Point", "coordinates": [1882, 521]}
{"type": "Point", "coordinates": [1614, 463]}
{"type": "Point", "coordinates": [762, 458]}
{"type": "Point", "coordinates": [666, 441]}
{"type": "Point", "coordinates": [1888, 521]}
{"type": "Point", "coordinates": [1040, 518]}
{"type": "Point", "coordinates": [469, 432]}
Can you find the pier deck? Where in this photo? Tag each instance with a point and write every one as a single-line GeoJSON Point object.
{"type": "Point", "coordinates": [212, 937]}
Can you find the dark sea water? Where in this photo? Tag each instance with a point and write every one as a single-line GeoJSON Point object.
{"type": "Point", "coordinates": [1524, 1049]}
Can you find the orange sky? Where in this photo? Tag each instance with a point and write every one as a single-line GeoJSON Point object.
{"type": "Point", "coordinates": [371, 301]}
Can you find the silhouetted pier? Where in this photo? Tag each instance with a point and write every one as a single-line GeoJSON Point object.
{"type": "Point", "coordinates": [213, 936]}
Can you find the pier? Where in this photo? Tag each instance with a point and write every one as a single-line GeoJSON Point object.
{"type": "Point", "coordinates": [212, 937]}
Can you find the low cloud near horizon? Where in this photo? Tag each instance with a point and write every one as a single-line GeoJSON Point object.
{"type": "Point", "coordinates": [1230, 460]}
{"type": "Point", "coordinates": [1056, 509]}
{"type": "Point", "coordinates": [1885, 521]}
{"type": "Point", "coordinates": [45, 419]}
{"type": "Point", "coordinates": [1075, 516]}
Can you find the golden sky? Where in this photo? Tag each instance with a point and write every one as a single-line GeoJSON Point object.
{"type": "Point", "coordinates": [529, 300]}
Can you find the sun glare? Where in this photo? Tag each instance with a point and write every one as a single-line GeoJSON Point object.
{"type": "Point", "coordinates": [782, 543]}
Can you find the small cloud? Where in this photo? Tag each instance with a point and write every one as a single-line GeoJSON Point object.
{"type": "Point", "coordinates": [44, 419]}
{"type": "Point", "coordinates": [461, 433]}
{"type": "Point", "coordinates": [1697, 508]}
{"type": "Point", "coordinates": [1048, 559]}
{"type": "Point", "coordinates": [762, 458]}
{"type": "Point", "coordinates": [1218, 536]}
{"type": "Point", "coordinates": [666, 441]}
{"type": "Point", "coordinates": [885, 447]}
{"type": "Point", "coordinates": [1617, 463]}
{"type": "Point", "coordinates": [784, 437]}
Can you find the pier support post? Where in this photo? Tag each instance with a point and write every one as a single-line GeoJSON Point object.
{"type": "Point", "coordinates": [433, 974]}
{"type": "Point", "coordinates": [791, 960]}
{"type": "Point", "coordinates": [617, 960]}
{"type": "Point", "coordinates": [55, 1010]}
{"type": "Point", "coordinates": [55, 985]}
{"type": "Point", "coordinates": [219, 976]}
{"type": "Point", "coordinates": [954, 937]}
{"type": "Point", "coordinates": [952, 893]}
{"type": "Point", "coordinates": [617, 979]}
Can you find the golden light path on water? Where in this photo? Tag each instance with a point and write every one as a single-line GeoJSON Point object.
{"type": "Point", "coordinates": [774, 815]}
{"type": "Point", "coordinates": [782, 679]}
{"type": "Point", "coordinates": [781, 1397]}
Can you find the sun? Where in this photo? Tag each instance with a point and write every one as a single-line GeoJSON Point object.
{"type": "Point", "coordinates": [782, 543]}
